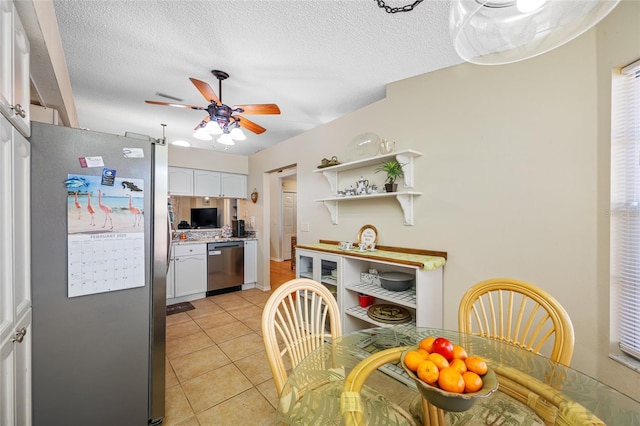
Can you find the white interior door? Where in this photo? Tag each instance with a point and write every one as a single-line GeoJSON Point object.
{"type": "Point", "coordinates": [289, 205]}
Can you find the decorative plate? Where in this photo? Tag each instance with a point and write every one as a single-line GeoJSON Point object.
{"type": "Point", "coordinates": [368, 235]}
{"type": "Point", "coordinates": [390, 314]}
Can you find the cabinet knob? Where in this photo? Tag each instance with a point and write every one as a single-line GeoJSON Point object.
{"type": "Point", "coordinates": [19, 336]}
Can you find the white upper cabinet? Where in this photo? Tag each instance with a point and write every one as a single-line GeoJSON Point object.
{"type": "Point", "coordinates": [206, 183]}
{"type": "Point", "coordinates": [14, 69]}
{"type": "Point", "coordinates": [180, 181]}
{"type": "Point", "coordinates": [234, 186]}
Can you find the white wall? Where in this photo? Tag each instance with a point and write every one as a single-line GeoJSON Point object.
{"type": "Point", "coordinates": [203, 159]}
{"type": "Point", "coordinates": [511, 177]}
{"type": "Point", "coordinates": [618, 44]}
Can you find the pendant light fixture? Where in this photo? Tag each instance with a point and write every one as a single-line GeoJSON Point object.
{"type": "Point", "coordinates": [493, 32]}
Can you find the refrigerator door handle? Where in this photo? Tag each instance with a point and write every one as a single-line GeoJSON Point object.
{"type": "Point", "coordinates": [170, 240]}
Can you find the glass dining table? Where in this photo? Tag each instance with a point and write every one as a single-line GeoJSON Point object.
{"type": "Point", "coordinates": [314, 393]}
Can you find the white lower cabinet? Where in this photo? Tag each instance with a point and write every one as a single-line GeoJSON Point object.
{"type": "Point", "coordinates": [15, 276]}
{"type": "Point", "coordinates": [321, 267]}
{"type": "Point", "coordinates": [423, 300]}
{"type": "Point", "coordinates": [189, 272]}
{"type": "Point", "coordinates": [250, 262]}
{"type": "Point", "coordinates": [170, 276]}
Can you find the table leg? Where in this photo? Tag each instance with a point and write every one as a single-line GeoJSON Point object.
{"type": "Point", "coordinates": [433, 416]}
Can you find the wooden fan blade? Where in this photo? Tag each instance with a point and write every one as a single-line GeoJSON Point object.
{"type": "Point", "coordinates": [174, 105]}
{"type": "Point", "coordinates": [206, 90]}
{"type": "Point", "coordinates": [250, 125]}
{"type": "Point", "coordinates": [259, 108]}
{"type": "Point", "coordinates": [204, 120]}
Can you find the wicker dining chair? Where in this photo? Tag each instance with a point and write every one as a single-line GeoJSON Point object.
{"type": "Point", "coordinates": [293, 324]}
{"type": "Point", "coordinates": [519, 313]}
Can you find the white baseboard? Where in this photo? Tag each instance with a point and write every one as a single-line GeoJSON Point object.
{"type": "Point", "coordinates": [187, 298]}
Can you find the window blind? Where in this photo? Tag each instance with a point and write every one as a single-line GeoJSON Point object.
{"type": "Point", "coordinates": [625, 205]}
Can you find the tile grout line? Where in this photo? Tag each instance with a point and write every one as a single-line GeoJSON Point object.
{"type": "Point", "coordinates": [254, 302]}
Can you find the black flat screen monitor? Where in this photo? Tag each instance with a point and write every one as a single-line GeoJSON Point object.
{"type": "Point", "coordinates": [204, 218]}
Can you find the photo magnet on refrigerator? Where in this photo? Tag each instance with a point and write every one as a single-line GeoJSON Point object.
{"type": "Point", "coordinates": [108, 177]}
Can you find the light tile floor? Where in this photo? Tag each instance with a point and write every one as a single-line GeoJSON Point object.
{"type": "Point", "coordinates": [217, 371]}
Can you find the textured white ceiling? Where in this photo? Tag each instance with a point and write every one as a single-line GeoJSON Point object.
{"type": "Point", "coordinates": [317, 60]}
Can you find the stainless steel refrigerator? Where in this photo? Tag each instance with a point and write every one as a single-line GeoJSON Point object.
{"type": "Point", "coordinates": [99, 261]}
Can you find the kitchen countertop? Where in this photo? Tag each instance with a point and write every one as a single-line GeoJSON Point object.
{"type": "Point", "coordinates": [211, 240]}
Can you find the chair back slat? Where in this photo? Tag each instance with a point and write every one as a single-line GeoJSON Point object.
{"type": "Point", "coordinates": [529, 310]}
{"type": "Point", "coordinates": [293, 324]}
{"type": "Point", "coordinates": [510, 317]}
{"type": "Point", "coordinates": [519, 313]}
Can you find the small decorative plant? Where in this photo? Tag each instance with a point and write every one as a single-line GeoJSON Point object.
{"type": "Point", "coordinates": [394, 170]}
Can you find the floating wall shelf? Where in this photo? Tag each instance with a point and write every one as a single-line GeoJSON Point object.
{"type": "Point", "coordinates": [404, 198]}
{"type": "Point", "coordinates": [404, 157]}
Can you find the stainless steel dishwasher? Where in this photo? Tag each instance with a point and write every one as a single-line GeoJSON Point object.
{"type": "Point", "coordinates": [225, 266]}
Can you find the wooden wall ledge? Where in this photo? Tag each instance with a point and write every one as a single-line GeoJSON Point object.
{"type": "Point", "coordinates": [429, 264]}
{"type": "Point", "coordinates": [396, 249]}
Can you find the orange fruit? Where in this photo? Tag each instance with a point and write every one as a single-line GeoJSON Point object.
{"type": "Point", "coordinates": [412, 359]}
{"type": "Point", "coordinates": [459, 365]}
{"type": "Point", "coordinates": [427, 343]}
{"type": "Point", "coordinates": [451, 380]}
{"type": "Point", "coordinates": [472, 382]}
{"type": "Point", "coordinates": [440, 361]}
{"type": "Point", "coordinates": [477, 365]}
{"type": "Point", "coordinates": [428, 372]}
{"type": "Point", "coordinates": [422, 352]}
{"type": "Point", "coordinates": [459, 352]}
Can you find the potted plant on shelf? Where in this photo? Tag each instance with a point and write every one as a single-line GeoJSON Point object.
{"type": "Point", "coordinates": [394, 170]}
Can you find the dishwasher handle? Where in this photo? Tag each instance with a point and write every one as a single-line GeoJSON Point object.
{"type": "Point", "coordinates": [225, 244]}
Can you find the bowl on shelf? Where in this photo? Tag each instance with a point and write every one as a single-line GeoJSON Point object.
{"type": "Point", "coordinates": [451, 401]}
{"type": "Point", "coordinates": [395, 281]}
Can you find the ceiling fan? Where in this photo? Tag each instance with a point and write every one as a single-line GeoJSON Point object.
{"type": "Point", "coordinates": [222, 116]}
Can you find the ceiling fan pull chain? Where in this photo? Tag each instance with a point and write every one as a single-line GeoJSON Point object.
{"type": "Point", "coordinates": [405, 8]}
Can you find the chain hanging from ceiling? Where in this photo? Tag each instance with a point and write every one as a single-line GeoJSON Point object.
{"type": "Point", "coordinates": [389, 9]}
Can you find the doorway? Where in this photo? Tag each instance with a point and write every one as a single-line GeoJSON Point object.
{"type": "Point", "coordinates": [289, 219]}
{"type": "Point", "coordinates": [283, 212]}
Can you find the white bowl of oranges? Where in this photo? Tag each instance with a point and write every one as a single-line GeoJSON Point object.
{"type": "Point", "coordinates": [446, 375]}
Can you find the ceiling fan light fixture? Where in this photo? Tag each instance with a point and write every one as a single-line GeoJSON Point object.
{"type": "Point", "coordinates": [485, 34]}
{"type": "Point", "coordinates": [202, 134]}
{"type": "Point", "coordinates": [220, 119]}
{"type": "Point", "coordinates": [214, 128]}
{"type": "Point", "coordinates": [226, 139]}
{"type": "Point", "coordinates": [237, 134]}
